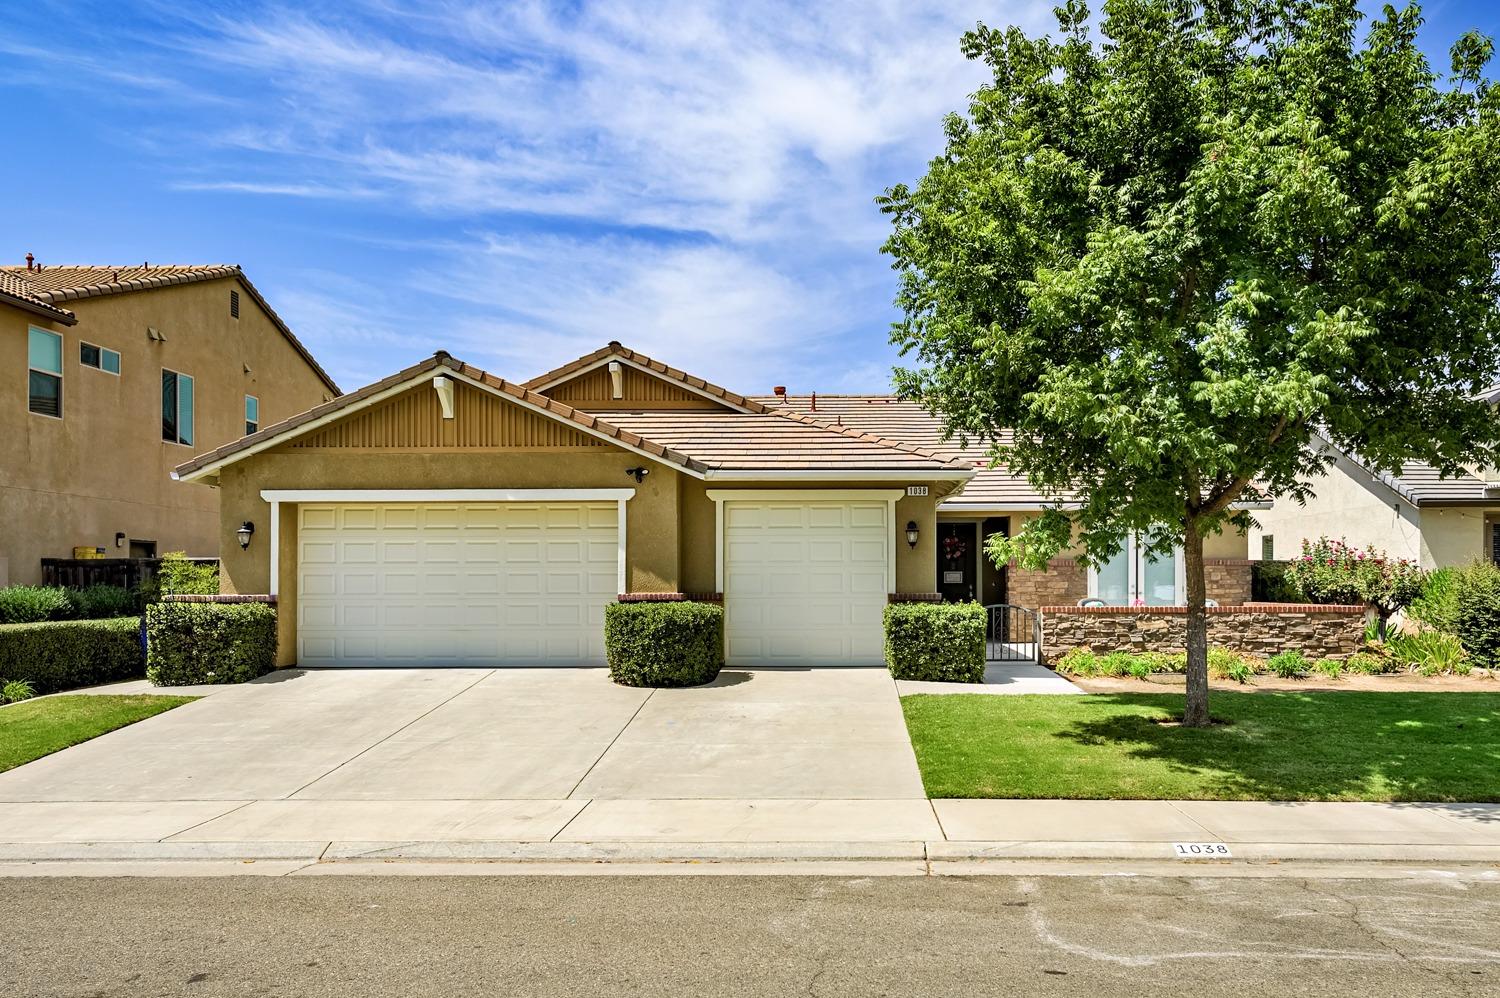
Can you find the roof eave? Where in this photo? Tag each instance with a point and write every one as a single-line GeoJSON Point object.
{"type": "Point", "coordinates": [42, 309]}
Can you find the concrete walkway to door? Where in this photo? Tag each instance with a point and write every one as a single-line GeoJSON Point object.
{"type": "Point", "coordinates": [507, 754]}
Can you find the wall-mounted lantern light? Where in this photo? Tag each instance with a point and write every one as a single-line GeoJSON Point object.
{"type": "Point", "coordinates": [639, 474]}
{"type": "Point", "coordinates": [911, 533]}
{"type": "Point", "coordinates": [119, 538]}
{"type": "Point", "coordinates": [246, 531]}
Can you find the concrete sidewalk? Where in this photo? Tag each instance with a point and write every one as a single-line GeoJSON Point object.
{"type": "Point", "coordinates": [899, 834]}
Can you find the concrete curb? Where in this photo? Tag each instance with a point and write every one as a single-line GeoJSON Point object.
{"type": "Point", "coordinates": [934, 854]}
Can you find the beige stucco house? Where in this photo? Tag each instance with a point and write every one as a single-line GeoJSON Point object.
{"type": "Point", "coordinates": [445, 515]}
{"type": "Point", "coordinates": [117, 375]}
{"type": "Point", "coordinates": [1417, 515]}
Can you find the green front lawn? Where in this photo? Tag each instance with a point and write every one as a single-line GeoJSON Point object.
{"type": "Point", "coordinates": [36, 728]}
{"type": "Point", "coordinates": [1279, 746]}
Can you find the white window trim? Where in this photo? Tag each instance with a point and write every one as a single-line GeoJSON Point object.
{"type": "Point", "coordinates": [890, 496]}
{"type": "Point", "coordinates": [183, 374]}
{"type": "Point", "coordinates": [102, 351]}
{"type": "Point", "coordinates": [62, 362]}
{"type": "Point", "coordinates": [278, 496]}
{"type": "Point", "coordinates": [1134, 556]}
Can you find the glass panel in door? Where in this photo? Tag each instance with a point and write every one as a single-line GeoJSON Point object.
{"type": "Point", "coordinates": [1114, 578]}
{"type": "Point", "coordinates": [1159, 580]}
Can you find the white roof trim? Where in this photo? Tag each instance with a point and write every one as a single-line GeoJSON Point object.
{"type": "Point", "coordinates": [842, 475]}
{"type": "Point", "coordinates": [446, 495]}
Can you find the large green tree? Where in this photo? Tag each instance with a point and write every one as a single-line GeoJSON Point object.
{"type": "Point", "coordinates": [1149, 264]}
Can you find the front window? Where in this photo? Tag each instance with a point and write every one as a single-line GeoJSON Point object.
{"type": "Point", "coordinates": [1132, 578]}
{"type": "Point", "coordinates": [44, 372]}
{"type": "Point", "coordinates": [176, 407]}
{"type": "Point", "coordinates": [99, 358]}
{"type": "Point", "coordinates": [252, 414]}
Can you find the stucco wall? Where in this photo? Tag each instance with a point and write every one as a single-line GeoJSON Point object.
{"type": "Point", "coordinates": [1348, 505]}
{"type": "Point", "coordinates": [103, 468]}
{"type": "Point", "coordinates": [1452, 536]}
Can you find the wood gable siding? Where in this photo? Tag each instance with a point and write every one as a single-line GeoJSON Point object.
{"type": "Point", "coordinates": [414, 420]}
{"type": "Point", "coordinates": [591, 390]}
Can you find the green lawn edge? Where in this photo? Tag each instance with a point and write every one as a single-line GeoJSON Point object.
{"type": "Point", "coordinates": [1279, 746]}
{"type": "Point", "coordinates": [37, 728]}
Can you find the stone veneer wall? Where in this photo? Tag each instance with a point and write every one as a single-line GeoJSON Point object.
{"type": "Point", "coordinates": [1065, 582]}
{"type": "Point", "coordinates": [1227, 580]}
{"type": "Point", "coordinates": [1255, 628]}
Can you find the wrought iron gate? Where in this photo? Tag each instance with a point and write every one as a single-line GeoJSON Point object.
{"type": "Point", "coordinates": [1012, 634]}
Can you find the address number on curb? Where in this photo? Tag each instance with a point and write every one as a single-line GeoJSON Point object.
{"type": "Point", "coordinates": [1200, 850]}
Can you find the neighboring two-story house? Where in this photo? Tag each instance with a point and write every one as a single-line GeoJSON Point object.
{"type": "Point", "coordinates": [114, 375]}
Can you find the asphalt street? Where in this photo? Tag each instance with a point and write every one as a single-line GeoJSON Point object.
{"type": "Point", "coordinates": [731, 936]}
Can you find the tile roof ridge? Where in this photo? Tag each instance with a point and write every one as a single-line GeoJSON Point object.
{"type": "Point", "coordinates": [875, 438]}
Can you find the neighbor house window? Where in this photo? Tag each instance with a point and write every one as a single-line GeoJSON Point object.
{"type": "Point", "coordinates": [44, 372]}
{"type": "Point", "coordinates": [1132, 578]}
{"type": "Point", "coordinates": [99, 358]}
{"type": "Point", "coordinates": [252, 414]}
{"type": "Point", "coordinates": [176, 407]}
{"type": "Point", "coordinates": [1267, 547]}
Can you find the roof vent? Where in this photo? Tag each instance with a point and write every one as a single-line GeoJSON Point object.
{"type": "Point", "coordinates": [29, 260]}
{"type": "Point", "coordinates": [780, 392]}
{"type": "Point", "coordinates": [234, 304]}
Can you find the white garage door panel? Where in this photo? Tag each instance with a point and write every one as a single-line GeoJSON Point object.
{"type": "Point", "coordinates": [455, 584]}
{"type": "Point", "coordinates": [805, 583]}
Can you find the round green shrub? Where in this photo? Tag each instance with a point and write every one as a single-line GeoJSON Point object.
{"type": "Point", "coordinates": [100, 602]}
{"type": "Point", "coordinates": [935, 642]}
{"type": "Point", "coordinates": [664, 644]}
{"type": "Point", "coordinates": [188, 644]}
{"type": "Point", "coordinates": [33, 604]}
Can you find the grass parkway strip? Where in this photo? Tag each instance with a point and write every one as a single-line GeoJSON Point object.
{"type": "Point", "coordinates": [1273, 746]}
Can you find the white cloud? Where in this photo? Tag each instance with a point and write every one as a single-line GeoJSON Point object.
{"type": "Point", "coordinates": [701, 172]}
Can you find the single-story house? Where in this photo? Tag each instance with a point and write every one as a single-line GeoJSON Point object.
{"type": "Point", "coordinates": [1418, 515]}
{"type": "Point", "coordinates": [446, 516]}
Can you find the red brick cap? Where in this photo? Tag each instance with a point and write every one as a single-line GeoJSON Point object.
{"type": "Point", "coordinates": [1182, 610]}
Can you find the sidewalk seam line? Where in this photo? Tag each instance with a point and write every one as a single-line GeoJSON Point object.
{"type": "Point", "coordinates": [931, 806]}
{"type": "Point", "coordinates": [393, 734]}
{"type": "Point", "coordinates": [564, 828]}
{"type": "Point", "coordinates": [199, 824]}
{"type": "Point", "coordinates": [1216, 836]}
{"type": "Point", "coordinates": [593, 765]}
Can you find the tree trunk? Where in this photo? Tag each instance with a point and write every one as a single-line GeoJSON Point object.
{"type": "Point", "coordinates": [1195, 711]}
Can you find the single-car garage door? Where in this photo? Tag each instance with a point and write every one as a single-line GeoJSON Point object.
{"type": "Point", "coordinates": [805, 583]}
{"type": "Point", "coordinates": [457, 584]}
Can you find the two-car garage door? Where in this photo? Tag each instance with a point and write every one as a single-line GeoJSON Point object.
{"type": "Point", "coordinates": [526, 583]}
{"type": "Point", "coordinates": [455, 584]}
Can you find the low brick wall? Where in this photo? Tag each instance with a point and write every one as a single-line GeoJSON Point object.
{"type": "Point", "coordinates": [219, 598]}
{"type": "Point", "coordinates": [1228, 580]}
{"type": "Point", "coordinates": [1253, 628]}
{"type": "Point", "coordinates": [671, 597]}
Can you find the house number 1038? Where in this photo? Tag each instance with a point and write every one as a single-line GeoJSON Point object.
{"type": "Point", "coordinates": [1200, 850]}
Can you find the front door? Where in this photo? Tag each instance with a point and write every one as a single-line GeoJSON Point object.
{"type": "Point", "coordinates": [958, 562]}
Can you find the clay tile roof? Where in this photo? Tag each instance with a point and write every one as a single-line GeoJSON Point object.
{"type": "Point", "coordinates": [900, 419]}
{"type": "Point", "coordinates": [17, 291]}
{"type": "Point", "coordinates": [699, 442]}
{"type": "Point", "coordinates": [67, 282]}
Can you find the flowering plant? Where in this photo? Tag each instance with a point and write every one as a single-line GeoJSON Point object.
{"type": "Point", "coordinates": [1332, 571]}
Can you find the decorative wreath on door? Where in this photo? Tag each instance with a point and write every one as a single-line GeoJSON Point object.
{"type": "Point", "coordinates": [954, 548]}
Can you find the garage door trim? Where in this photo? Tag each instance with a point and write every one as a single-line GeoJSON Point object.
{"type": "Point", "coordinates": [278, 496]}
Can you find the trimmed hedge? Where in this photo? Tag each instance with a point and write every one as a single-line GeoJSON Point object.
{"type": "Point", "coordinates": [189, 644]}
{"type": "Point", "coordinates": [1476, 611]}
{"type": "Point", "coordinates": [66, 654]}
{"type": "Point", "coordinates": [939, 642]}
{"type": "Point", "coordinates": [664, 644]}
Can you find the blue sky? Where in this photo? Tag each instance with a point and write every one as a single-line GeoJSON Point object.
{"type": "Point", "coordinates": [517, 183]}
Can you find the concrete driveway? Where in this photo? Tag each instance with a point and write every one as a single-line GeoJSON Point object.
{"type": "Point", "coordinates": [490, 754]}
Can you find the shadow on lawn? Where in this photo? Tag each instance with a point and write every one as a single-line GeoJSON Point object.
{"type": "Point", "coordinates": [1297, 746]}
